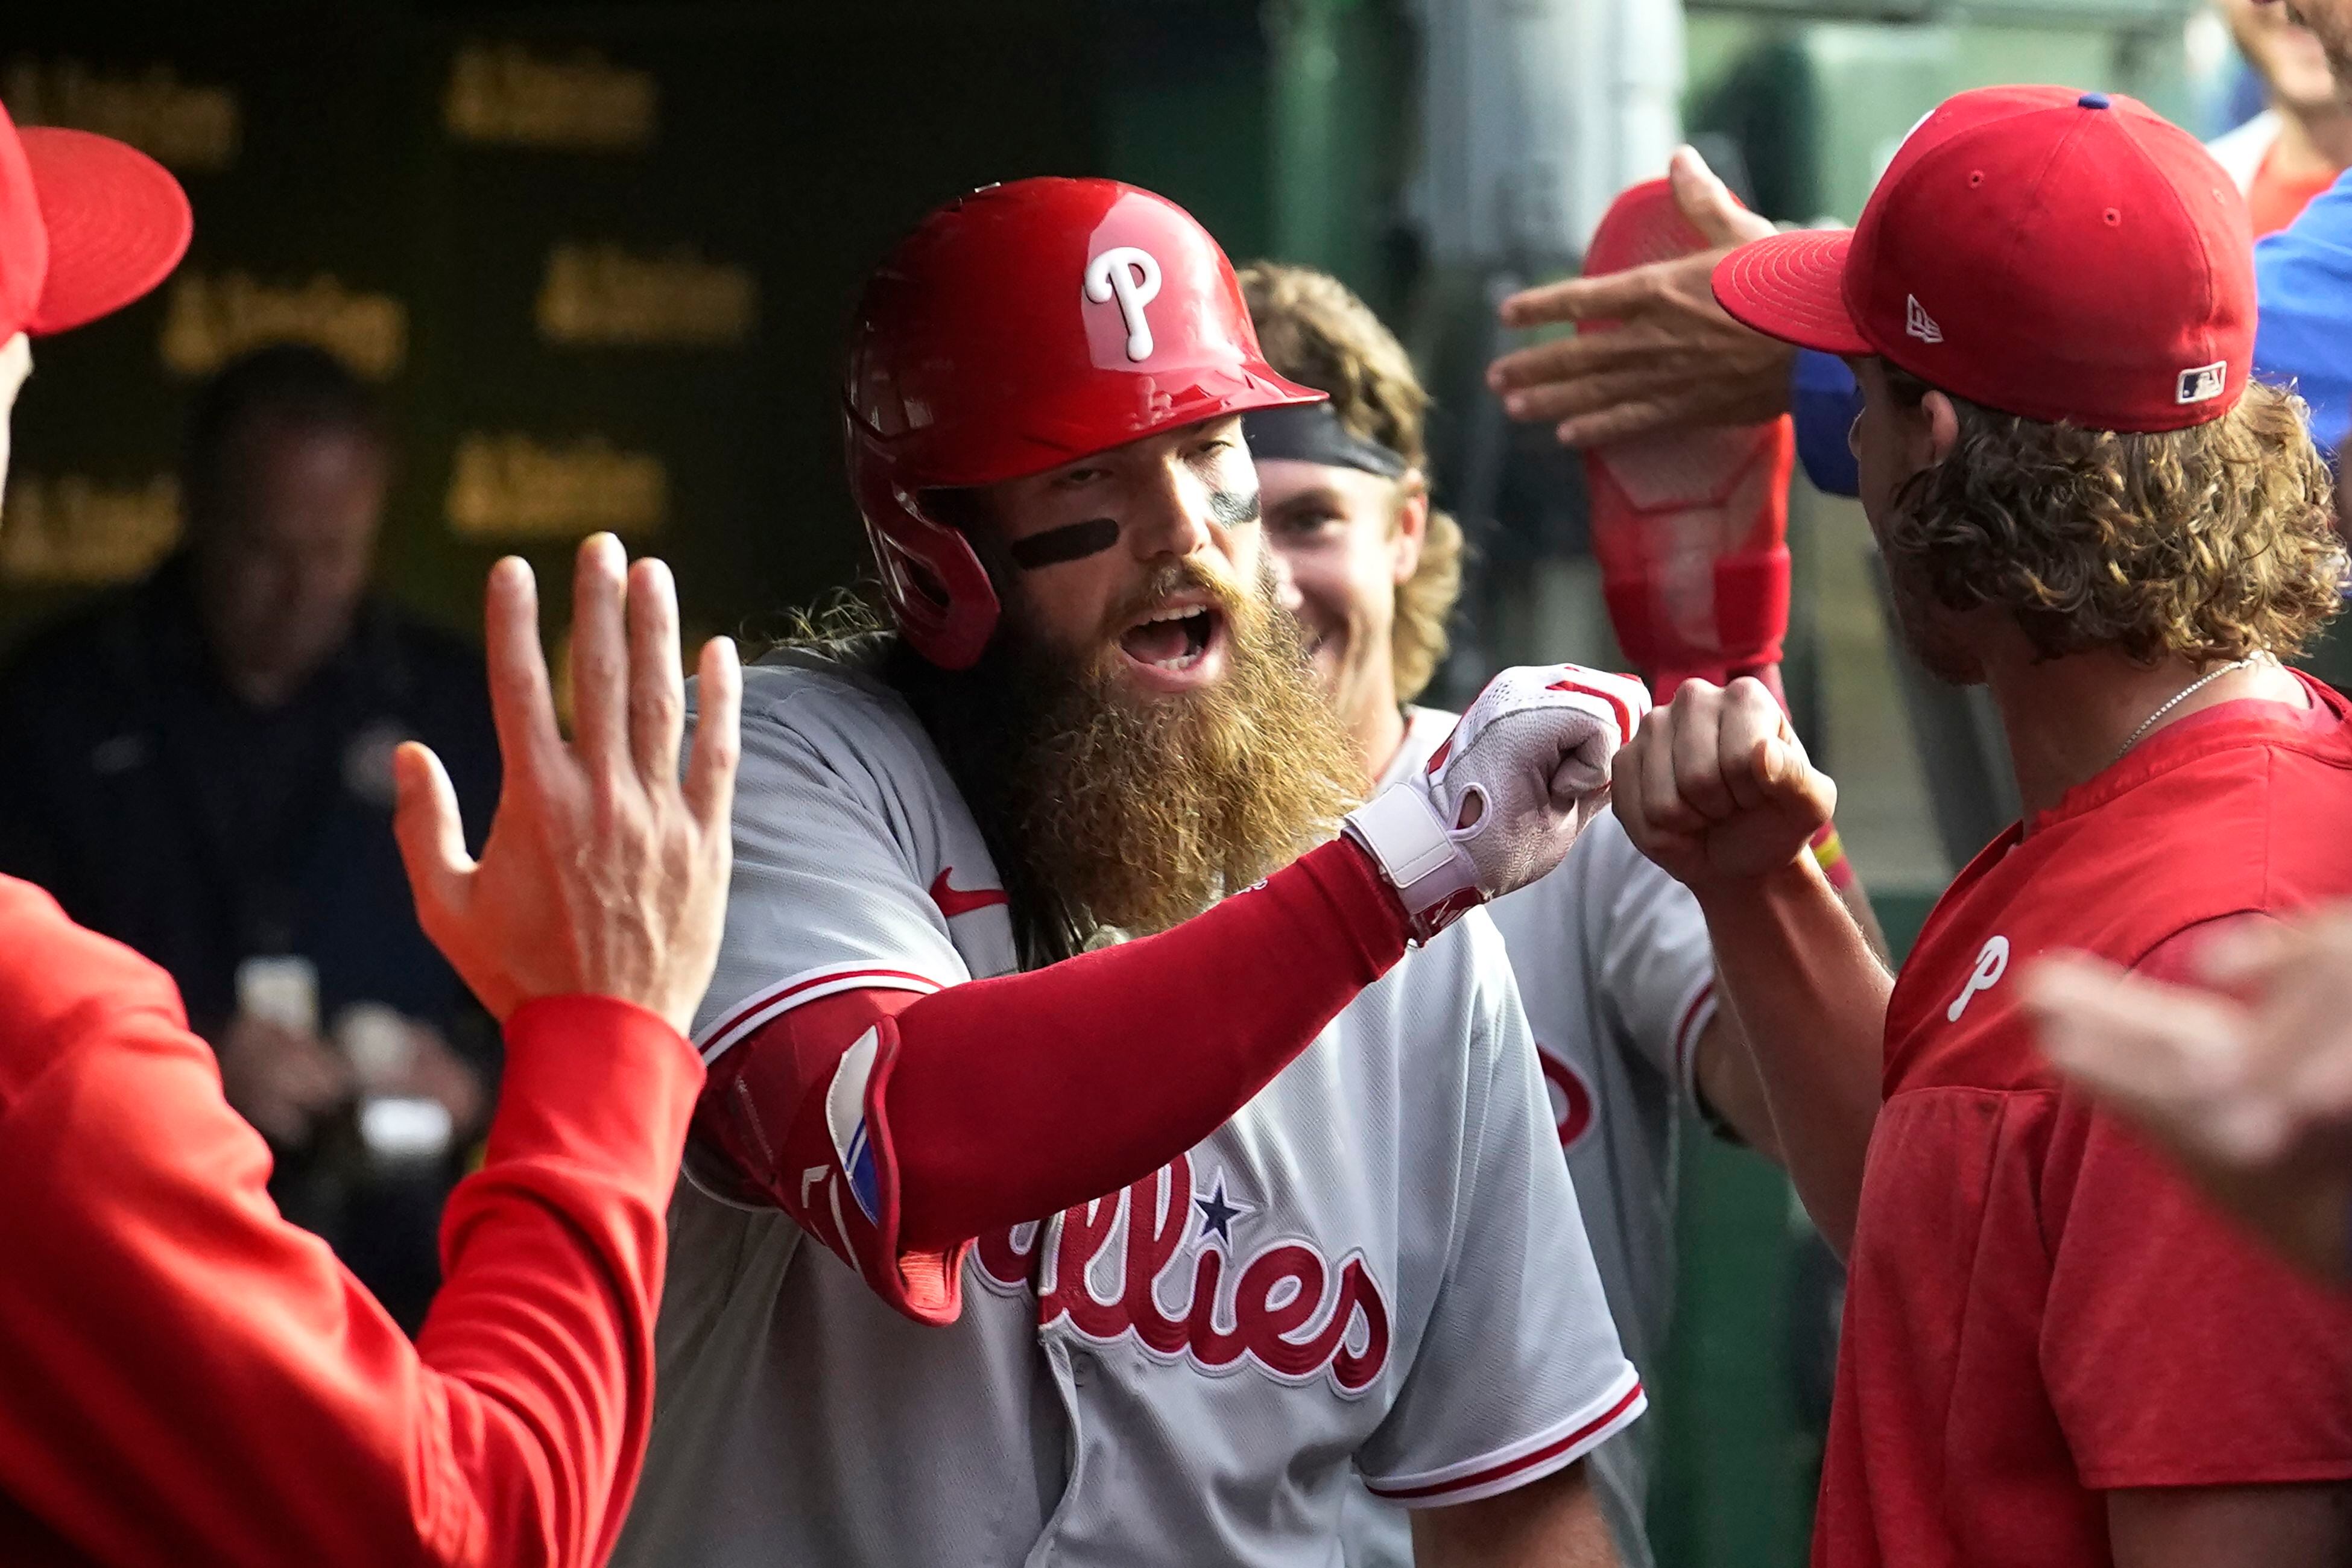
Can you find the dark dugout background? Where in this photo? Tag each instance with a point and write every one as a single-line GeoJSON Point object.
{"type": "Point", "coordinates": [599, 260]}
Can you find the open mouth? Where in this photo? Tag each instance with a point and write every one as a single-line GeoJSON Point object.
{"type": "Point", "coordinates": [1176, 642]}
{"type": "Point", "coordinates": [1171, 639]}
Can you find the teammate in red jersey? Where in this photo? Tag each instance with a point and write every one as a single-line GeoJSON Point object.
{"type": "Point", "coordinates": [2053, 1353]}
{"type": "Point", "coordinates": [185, 1377]}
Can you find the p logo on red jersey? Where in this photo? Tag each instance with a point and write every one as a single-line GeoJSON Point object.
{"type": "Point", "coordinates": [1991, 964]}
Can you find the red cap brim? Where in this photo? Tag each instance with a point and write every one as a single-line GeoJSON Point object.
{"type": "Point", "coordinates": [118, 224]}
{"type": "Point", "coordinates": [1788, 286]}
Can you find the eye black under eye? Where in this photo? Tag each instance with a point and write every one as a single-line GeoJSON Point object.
{"type": "Point", "coordinates": [1071, 542]}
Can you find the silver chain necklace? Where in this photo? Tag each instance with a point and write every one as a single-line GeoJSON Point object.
{"type": "Point", "coordinates": [2178, 698]}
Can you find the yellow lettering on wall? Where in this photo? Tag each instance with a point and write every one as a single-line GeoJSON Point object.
{"type": "Point", "coordinates": [504, 94]}
{"type": "Point", "coordinates": [183, 125]}
{"type": "Point", "coordinates": [514, 487]}
{"type": "Point", "coordinates": [71, 528]}
{"type": "Point", "coordinates": [209, 320]}
{"type": "Point", "coordinates": [601, 295]}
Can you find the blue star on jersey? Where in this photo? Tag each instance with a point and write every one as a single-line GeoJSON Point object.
{"type": "Point", "coordinates": [1218, 1213]}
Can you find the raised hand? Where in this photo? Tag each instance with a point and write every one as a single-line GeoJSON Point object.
{"type": "Point", "coordinates": [1677, 359]}
{"type": "Point", "coordinates": [604, 874]}
{"type": "Point", "coordinates": [1717, 787]}
{"type": "Point", "coordinates": [1498, 806]}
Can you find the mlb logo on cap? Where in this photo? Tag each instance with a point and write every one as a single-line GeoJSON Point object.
{"type": "Point", "coordinates": [2089, 263]}
{"type": "Point", "coordinates": [2204, 383]}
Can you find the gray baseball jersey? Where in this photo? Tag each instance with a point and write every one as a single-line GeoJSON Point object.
{"type": "Point", "coordinates": [1375, 1268]}
{"type": "Point", "coordinates": [1618, 981]}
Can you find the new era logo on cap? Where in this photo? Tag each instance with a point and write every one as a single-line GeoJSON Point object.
{"type": "Point", "coordinates": [1918, 323]}
{"type": "Point", "coordinates": [2204, 383]}
{"type": "Point", "coordinates": [2083, 257]}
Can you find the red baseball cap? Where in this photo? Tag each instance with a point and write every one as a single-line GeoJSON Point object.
{"type": "Point", "coordinates": [2051, 253]}
{"type": "Point", "coordinates": [87, 226]}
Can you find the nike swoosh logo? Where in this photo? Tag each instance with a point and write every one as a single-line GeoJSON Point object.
{"type": "Point", "coordinates": [954, 901]}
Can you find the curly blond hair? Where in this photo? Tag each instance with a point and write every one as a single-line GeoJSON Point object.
{"type": "Point", "coordinates": [2207, 545]}
{"type": "Point", "coordinates": [1315, 331]}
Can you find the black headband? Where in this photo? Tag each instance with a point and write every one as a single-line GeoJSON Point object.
{"type": "Point", "coordinates": [1311, 433]}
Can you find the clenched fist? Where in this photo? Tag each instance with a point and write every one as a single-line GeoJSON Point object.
{"type": "Point", "coordinates": [1498, 806]}
{"type": "Point", "coordinates": [1717, 787]}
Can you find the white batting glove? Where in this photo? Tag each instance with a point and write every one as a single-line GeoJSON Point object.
{"type": "Point", "coordinates": [1504, 798]}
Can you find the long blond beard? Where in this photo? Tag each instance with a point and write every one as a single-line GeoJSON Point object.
{"type": "Point", "coordinates": [1137, 812]}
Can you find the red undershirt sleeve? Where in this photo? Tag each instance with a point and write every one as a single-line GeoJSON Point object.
{"type": "Point", "coordinates": [896, 1128]}
{"type": "Point", "coordinates": [186, 1377]}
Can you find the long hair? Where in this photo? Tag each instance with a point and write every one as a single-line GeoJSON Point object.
{"type": "Point", "coordinates": [2208, 544]}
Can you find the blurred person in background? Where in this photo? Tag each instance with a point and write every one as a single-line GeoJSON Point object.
{"type": "Point", "coordinates": [1610, 953]}
{"type": "Point", "coordinates": [201, 767]}
{"type": "Point", "coordinates": [2296, 146]}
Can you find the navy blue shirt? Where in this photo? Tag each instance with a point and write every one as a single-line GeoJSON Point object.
{"type": "Point", "coordinates": [162, 811]}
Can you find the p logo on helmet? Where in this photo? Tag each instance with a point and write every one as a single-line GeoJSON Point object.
{"type": "Point", "coordinates": [968, 367]}
{"type": "Point", "coordinates": [1132, 277]}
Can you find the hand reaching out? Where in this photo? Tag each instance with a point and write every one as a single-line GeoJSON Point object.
{"type": "Point", "coordinates": [604, 873]}
{"type": "Point", "coordinates": [1499, 804]}
{"type": "Point", "coordinates": [1675, 359]}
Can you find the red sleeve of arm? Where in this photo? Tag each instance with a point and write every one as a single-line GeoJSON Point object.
{"type": "Point", "coordinates": [2177, 1351]}
{"type": "Point", "coordinates": [186, 1377]}
{"type": "Point", "coordinates": [896, 1128]}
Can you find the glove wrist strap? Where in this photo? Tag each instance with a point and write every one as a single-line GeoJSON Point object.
{"type": "Point", "coordinates": [1434, 880]}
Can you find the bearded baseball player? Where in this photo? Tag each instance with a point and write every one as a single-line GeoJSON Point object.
{"type": "Point", "coordinates": [1014, 1242]}
{"type": "Point", "coordinates": [1610, 953]}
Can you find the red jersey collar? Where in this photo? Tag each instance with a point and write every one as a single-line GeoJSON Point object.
{"type": "Point", "coordinates": [2244, 721]}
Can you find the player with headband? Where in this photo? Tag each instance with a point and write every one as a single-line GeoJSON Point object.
{"type": "Point", "coordinates": [1610, 953]}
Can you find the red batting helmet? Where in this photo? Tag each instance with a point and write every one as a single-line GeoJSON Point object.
{"type": "Point", "coordinates": [1018, 329]}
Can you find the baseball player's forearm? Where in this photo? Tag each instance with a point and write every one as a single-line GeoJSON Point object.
{"type": "Point", "coordinates": [1809, 998]}
{"type": "Point", "coordinates": [1134, 1053]}
{"type": "Point", "coordinates": [2229, 1527]}
{"type": "Point", "coordinates": [1731, 1088]}
{"type": "Point", "coordinates": [217, 1388]}
{"type": "Point", "coordinates": [1864, 914]}
{"type": "Point", "coordinates": [997, 1102]}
